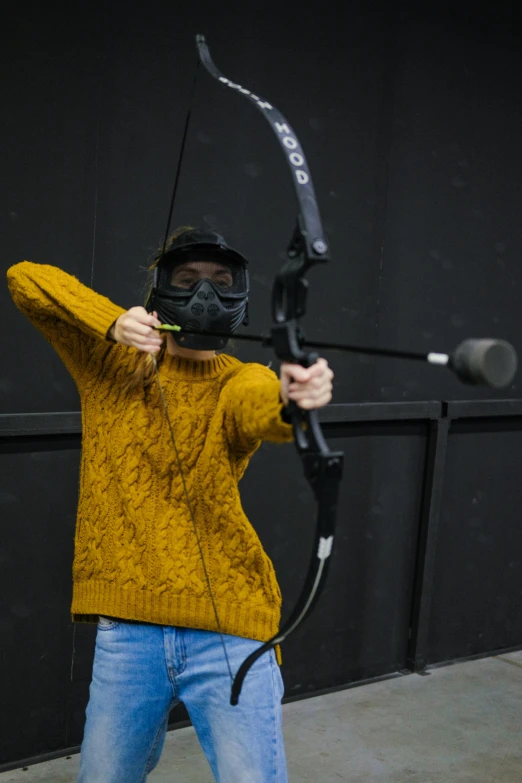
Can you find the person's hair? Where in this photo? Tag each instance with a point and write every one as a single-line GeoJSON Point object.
{"type": "Point", "coordinates": [142, 373]}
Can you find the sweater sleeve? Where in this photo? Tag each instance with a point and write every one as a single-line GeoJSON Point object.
{"type": "Point", "coordinates": [254, 409]}
{"type": "Point", "coordinates": [72, 317]}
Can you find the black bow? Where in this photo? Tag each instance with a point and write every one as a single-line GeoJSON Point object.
{"type": "Point", "coordinates": [322, 467]}
{"type": "Point", "coordinates": [487, 361]}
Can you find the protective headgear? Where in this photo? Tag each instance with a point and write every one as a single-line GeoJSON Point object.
{"type": "Point", "coordinates": [203, 305]}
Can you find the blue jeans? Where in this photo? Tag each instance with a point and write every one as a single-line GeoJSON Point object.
{"type": "Point", "coordinates": [141, 671]}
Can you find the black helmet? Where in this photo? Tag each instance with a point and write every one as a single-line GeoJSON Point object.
{"type": "Point", "coordinates": [204, 306]}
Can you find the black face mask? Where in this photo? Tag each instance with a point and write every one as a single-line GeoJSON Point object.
{"type": "Point", "coordinates": [219, 305]}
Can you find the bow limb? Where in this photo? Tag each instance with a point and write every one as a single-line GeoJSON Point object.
{"type": "Point", "coordinates": [322, 467]}
{"type": "Point", "coordinates": [310, 232]}
{"type": "Point", "coordinates": [323, 470]}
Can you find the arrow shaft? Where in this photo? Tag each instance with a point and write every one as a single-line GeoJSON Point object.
{"type": "Point", "coordinates": [266, 340]}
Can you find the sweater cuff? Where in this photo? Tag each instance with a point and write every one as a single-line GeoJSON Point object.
{"type": "Point", "coordinates": [276, 422]}
{"type": "Point", "coordinates": [103, 315]}
{"type": "Point", "coordinates": [108, 336]}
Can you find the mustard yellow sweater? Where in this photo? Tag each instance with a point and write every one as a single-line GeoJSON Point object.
{"type": "Point", "coordinates": [136, 555]}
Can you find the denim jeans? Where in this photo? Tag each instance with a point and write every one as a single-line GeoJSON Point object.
{"type": "Point", "coordinates": [141, 671]}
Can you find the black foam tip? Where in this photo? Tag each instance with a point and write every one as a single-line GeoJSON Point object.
{"type": "Point", "coordinates": [487, 361]}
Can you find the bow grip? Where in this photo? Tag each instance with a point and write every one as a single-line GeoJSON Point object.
{"type": "Point", "coordinates": [287, 339]}
{"type": "Point", "coordinates": [308, 359]}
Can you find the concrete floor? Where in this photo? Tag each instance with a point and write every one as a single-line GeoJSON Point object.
{"type": "Point", "coordinates": [460, 723]}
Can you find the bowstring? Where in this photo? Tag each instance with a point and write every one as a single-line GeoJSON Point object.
{"type": "Point", "coordinates": [191, 514]}
{"type": "Point", "coordinates": [180, 159]}
{"type": "Point", "coordinates": [171, 429]}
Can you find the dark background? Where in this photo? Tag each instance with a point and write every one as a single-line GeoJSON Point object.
{"type": "Point", "coordinates": [411, 118]}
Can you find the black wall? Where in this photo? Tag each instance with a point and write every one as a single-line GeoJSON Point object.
{"type": "Point", "coordinates": [411, 119]}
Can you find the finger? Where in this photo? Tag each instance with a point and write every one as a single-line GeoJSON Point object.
{"type": "Point", "coordinates": [138, 329]}
{"type": "Point", "coordinates": [320, 372]}
{"type": "Point", "coordinates": [144, 345]}
{"type": "Point", "coordinates": [314, 387]}
{"type": "Point", "coordinates": [148, 348]}
{"type": "Point", "coordinates": [141, 316]}
{"type": "Point", "coordinates": [300, 373]}
{"type": "Point", "coordinates": [315, 395]}
{"type": "Point", "coordinates": [316, 382]}
{"type": "Point", "coordinates": [311, 404]}
{"type": "Point", "coordinates": [313, 383]}
{"type": "Point", "coordinates": [296, 372]}
{"type": "Point", "coordinates": [143, 342]}
{"type": "Point", "coordinates": [318, 367]}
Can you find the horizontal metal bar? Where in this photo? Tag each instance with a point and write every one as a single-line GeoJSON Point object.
{"type": "Point", "coordinates": [479, 409]}
{"type": "Point", "coordinates": [380, 411]}
{"type": "Point", "coordinates": [60, 423]}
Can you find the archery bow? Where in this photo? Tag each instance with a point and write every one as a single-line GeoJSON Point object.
{"type": "Point", "coordinates": [322, 467]}
{"type": "Point", "coordinates": [490, 361]}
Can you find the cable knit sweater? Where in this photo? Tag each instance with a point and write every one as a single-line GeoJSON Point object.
{"type": "Point", "coordinates": [136, 554]}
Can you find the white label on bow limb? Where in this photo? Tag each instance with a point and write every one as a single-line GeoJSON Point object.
{"type": "Point", "coordinates": [438, 358]}
{"type": "Point", "coordinates": [289, 141]}
{"type": "Point", "coordinates": [296, 159]}
{"type": "Point", "coordinates": [234, 86]}
{"type": "Point", "coordinates": [325, 548]}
